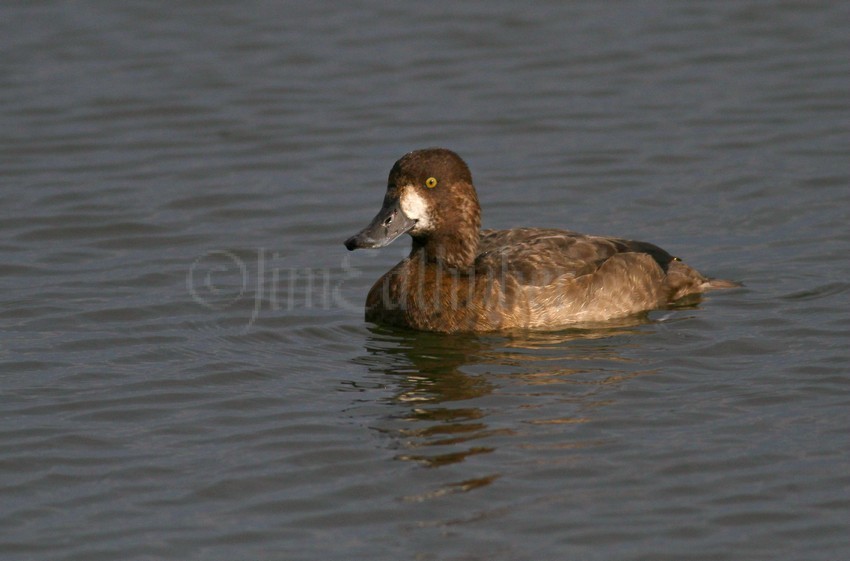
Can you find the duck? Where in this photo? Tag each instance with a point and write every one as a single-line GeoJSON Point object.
{"type": "Point", "coordinates": [460, 278]}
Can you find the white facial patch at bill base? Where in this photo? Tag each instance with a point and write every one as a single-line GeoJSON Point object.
{"type": "Point", "coordinates": [415, 207]}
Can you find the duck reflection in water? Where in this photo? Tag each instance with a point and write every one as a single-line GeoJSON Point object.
{"type": "Point", "coordinates": [464, 395]}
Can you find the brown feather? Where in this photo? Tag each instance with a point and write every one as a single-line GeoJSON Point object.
{"type": "Point", "coordinates": [460, 278]}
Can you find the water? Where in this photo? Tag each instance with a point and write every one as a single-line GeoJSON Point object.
{"type": "Point", "coordinates": [185, 370]}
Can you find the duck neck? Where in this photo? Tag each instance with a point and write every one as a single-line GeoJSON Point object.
{"type": "Point", "coordinates": [455, 251]}
{"type": "Point", "coordinates": [453, 242]}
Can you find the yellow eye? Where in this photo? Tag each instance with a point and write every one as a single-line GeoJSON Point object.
{"type": "Point", "coordinates": [431, 182]}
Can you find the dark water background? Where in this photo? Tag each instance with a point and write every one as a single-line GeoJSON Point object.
{"type": "Point", "coordinates": [184, 368]}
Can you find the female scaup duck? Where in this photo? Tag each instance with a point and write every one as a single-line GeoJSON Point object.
{"type": "Point", "coordinates": [461, 278]}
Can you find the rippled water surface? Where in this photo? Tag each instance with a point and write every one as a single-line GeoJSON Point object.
{"type": "Point", "coordinates": [184, 368]}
